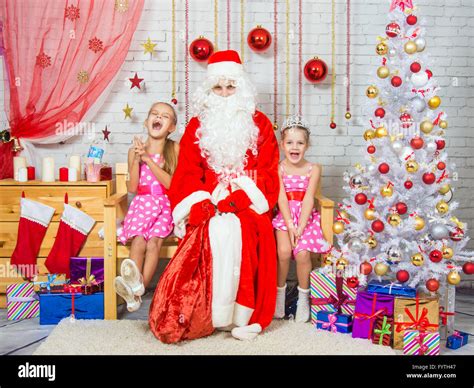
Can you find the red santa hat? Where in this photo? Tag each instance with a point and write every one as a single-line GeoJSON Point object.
{"type": "Point", "coordinates": [225, 63]}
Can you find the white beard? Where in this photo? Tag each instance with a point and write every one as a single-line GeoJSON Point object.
{"type": "Point", "coordinates": [226, 133]}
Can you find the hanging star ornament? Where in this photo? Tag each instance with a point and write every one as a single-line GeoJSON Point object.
{"type": "Point", "coordinates": [106, 133]}
{"type": "Point", "coordinates": [135, 81]}
{"type": "Point", "coordinates": [149, 46]}
{"type": "Point", "coordinates": [128, 111]}
{"type": "Point", "coordinates": [402, 4]}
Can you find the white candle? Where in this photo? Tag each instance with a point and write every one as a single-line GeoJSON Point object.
{"type": "Point", "coordinates": [48, 170]}
{"type": "Point", "coordinates": [75, 162]}
{"type": "Point", "coordinates": [18, 162]}
{"type": "Point", "coordinates": [22, 174]}
{"type": "Point", "coordinates": [72, 174]}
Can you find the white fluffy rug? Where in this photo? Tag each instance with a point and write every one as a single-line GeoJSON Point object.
{"type": "Point", "coordinates": [127, 337]}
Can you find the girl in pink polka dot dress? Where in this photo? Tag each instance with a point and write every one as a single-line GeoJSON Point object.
{"type": "Point", "coordinates": [297, 223]}
{"type": "Point", "coordinates": [149, 220]}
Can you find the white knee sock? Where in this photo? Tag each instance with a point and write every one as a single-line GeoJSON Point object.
{"type": "Point", "coordinates": [280, 302]}
{"type": "Point", "coordinates": [247, 333]}
{"type": "Point", "coordinates": [302, 307]}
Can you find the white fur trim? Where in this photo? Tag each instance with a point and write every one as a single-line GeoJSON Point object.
{"type": "Point", "coordinates": [242, 315]}
{"type": "Point", "coordinates": [77, 219]}
{"type": "Point", "coordinates": [36, 211]}
{"type": "Point", "coordinates": [229, 69]}
{"type": "Point", "coordinates": [259, 202]}
{"type": "Point", "coordinates": [219, 193]}
{"type": "Point", "coordinates": [182, 209]}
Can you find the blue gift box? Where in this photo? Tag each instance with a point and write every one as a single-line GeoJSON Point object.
{"type": "Point", "coordinates": [56, 306]}
{"type": "Point", "coordinates": [330, 321]}
{"type": "Point", "coordinates": [457, 340]}
{"type": "Point", "coordinates": [389, 288]}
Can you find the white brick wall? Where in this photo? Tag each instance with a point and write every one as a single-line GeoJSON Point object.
{"type": "Point", "coordinates": [450, 38]}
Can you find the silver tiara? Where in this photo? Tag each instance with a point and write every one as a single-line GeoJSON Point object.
{"type": "Point", "coordinates": [295, 121]}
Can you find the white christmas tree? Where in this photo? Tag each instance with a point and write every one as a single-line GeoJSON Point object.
{"type": "Point", "coordinates": [398, 219]}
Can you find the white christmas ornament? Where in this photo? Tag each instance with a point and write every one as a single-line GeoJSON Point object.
{"type": "Point", "coordinates": [431, 147]}
{"type": "Point", "coordinates": [420, 44]}
{"type": "Point", "coordinates": [419, 79]}
{"type": "Point", "coordinates": [418, 104]}
{"type": "Point", "coordinates": [397, 146]}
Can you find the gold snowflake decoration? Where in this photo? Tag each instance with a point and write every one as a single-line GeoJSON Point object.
{"type": "Point", "coordinates": [121, 6]}
{"type": "Point", "coordinates": [83, 77]}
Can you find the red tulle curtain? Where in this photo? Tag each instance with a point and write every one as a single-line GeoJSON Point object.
{"type": "Point", "coordinates": [59, 56]}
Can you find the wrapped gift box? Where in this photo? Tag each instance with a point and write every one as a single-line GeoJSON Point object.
{"type": "Point", "coordinates": [56, 306]}
{"type": "Point", "coordinates": [383, 331]}
{"type": "Point", "coordinates": [418, 343]}
{"type": "Point", "coordinates": [84, 267]}
{"type": "Point", "coordinates": [334, 322]}
{"type": "Point", "coordinates": [22, 302]}
{"type": "Point", "coordinates": [420, 313]}
{"type": "Point", "coordinates": [331, 293]}
{"type": "Point", "coordinates": [386, 287]}
{"type": "Point", "coordinates": [370, 306]}
{"type": "Point", "coordinates": [456, 340]}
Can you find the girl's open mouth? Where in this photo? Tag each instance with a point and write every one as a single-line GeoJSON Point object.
{"type": "Point", "coordinates": [157, 125]}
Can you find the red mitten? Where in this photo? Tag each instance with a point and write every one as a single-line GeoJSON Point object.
{"type": "Point", "coordinates": [200, 212]}
{"type": "Point", "coordinates": [235, 202]}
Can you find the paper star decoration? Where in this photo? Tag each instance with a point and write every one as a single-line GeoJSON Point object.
{"type": "Point", "coordinates": [135, 81]}
{"type": "Point", "coordinates": [149, 46]}
{"type": "Point", "coordinates": [128, 111]}
{"type": "Point", "coordinates": [401, 4]}
{"type": "Point", "coordinates": [106, 133]}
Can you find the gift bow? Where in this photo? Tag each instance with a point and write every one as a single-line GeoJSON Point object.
{"type": "Point", "coordinates": [444, 315]}
{"type": "Point", "coordinates": [421, 322]}
{"type": "Point", "coordinates": [421, 339]}
{"type": "Point", "coordinates": [89, 281]}
{"type": "Point", "coordinates": [50, 282]}
{"type": "Point", "coordinates": [458, 335]}
{"type": "Point", "coordinates": [332, 319]}
{"type": "Point", "coordinates": [385, 329]}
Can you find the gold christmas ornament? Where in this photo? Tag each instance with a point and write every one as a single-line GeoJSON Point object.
{"type": "Point", "coordinates": [394, 219]}
{"type": "Point", "coordinates": [426, 126]}
{"type": "Point", "coordinates": [338, 227]}
{"type": "Point", "coordinates": [341, 263]}
{"type": "Point", "coordinates": [434, 102]}
{"type": "Point", "coordinates": [369, 134]}
{"type": "Point", "coordinates": [381, 269]}
{"type": "Point", "coordinates": [417, 259]}
{"type": "Point", "coordinates": [453, 278]}
{"type": "Point", "coordinates": [442, 207]}
{"type": "Point", "coordinates": [386, 191]}
{"type": "Point", "coordinates": [444, 189]}
{"type": "Point", "coordinates": [410, 47]}
{"type": "Point", "coordinates": [369, 214]}
{"type": "Point", "coordinates": [371, 242]}
{"type": "Point", "coordinates": [382, 48]}
{"type": "Point", "coordinates": [383, 72]}
{"type": "Point", "coordinates": [447, 252]}
{"type": "Point", "coordinates": [443, 124]}
{"type": "Point", "coordinates": [419, 223]}
{"type": "Point", "coordinates": [372, 91]}
{"type": "Point", "coordinates": [411, 166]}
{"type": "Point", "coordinates": [381, 132]}
{"type": "Point", "coordinates": [327, 261]}
{"type": "Point", "coordinates": [348, 115]}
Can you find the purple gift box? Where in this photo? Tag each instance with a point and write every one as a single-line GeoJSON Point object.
{"type": "Point", "coordinates": [84, 267]}
{"type": "Point", "coordinates": [369, 306]}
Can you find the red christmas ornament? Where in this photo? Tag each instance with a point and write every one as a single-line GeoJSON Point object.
{"type": "Point", "coordinates": [432, 285]}
{"type": "Point", "coordinates": [392, 30]}
{"type": "Point", "coordinates": [352, 282]}
{"type": "Point", "coordinates": [396, 81]}
{"type": "Point", "coordinates": [436, 256]}
{"type": "Point", "coordinates": [315, 70]}
{"type": "Point", "coordinates": [380, 113]}
{"type": "Point", "coordinates": [401, 207]}
{"type": "Point", "coordinates": [332, 125]}
{"type": "Point", "coordinates": [429, 178]}
{"type": "Point", "coordinates": [440, 144]}
{"type": "Point", "coordinates": [430, 73]}
{"type": "Point", "coordinates": [408, 185]}
{"type": "Point", "coordinates": [415, 67]}
{"type": "Point", "coordinates": [407, 120]}
{"type": "Point", "coordinates": [360, 198]}
{"type": "Point", "coordinates": [174, 101]}
{"type": "Point", "coordinates": [416, 143]}
{"type": "Point", "coordinates": [457, 235]}
{"type": "Point", "coordinates": [384, 168]}
{"type": "Point", "coordinates": [403, 276]}
{"type": "Point", "coordinates": [468, 268]}
{"type": "Point", "coordinates": [201, 49]}
{"type": "Point", "coordinates": [371, 149]}
{"type": "Point", "coordinates": [378, 226]}
{"type": "Point", "coordinates": [365, 268]}
{"type": "Point", "coordinates": [259, 39]}
{"type": "Point", "coordinates": [441, 165]}
{"type": "Point", "coordinates": [412, 20]}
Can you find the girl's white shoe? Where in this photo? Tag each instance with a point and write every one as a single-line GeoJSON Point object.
{"type": "Point", "coordinates": [302, 306]}
{"type": "Point", "coordinates": [132, 276]}
{"type": "Point", "coordinates": [124, 290]}
{"type": "Point", "coordinates": [280, 302]}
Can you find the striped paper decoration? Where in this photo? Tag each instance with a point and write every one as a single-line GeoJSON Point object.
{"type": "Point", "coordinates": [324, 285]}
{"type": "Point", "coordinates": [21, 310]}
{"type": "Point", "coordinates": [412, 347]}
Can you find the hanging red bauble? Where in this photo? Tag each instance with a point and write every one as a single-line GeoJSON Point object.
{"type": "Point", "coordinates": [332, 125]}
{"type": "Point", "coordinates": [378, 226]}
{"type": "Point", "coordinates": [436, 256]}
{"type": "Point", "coordinates": [352, 282]}
{"type": "Point", "coordinates": [201, 49]}
{"type": "Point", "coordinates": [259, 39]}
{"type": "Point", "coordinates": [408, 185]}
{"type": "Point", "coordinates": [396, 81]}
{"type": "Point", "coordinates": [416, 143]}
{"type": "Point", "coordinates": [415, 67]}
{"type": "Point", "coordinates": [371, 149]}
{"type": "Point", "coordinates": [432, 285]}
{"type": "Point", "coordinates": [384, 168]}
{"type": "Point", "coordinates": [412, 20]}
{"type": "Point", "coordinates": [457, 235]}
{"type": "Point", "coordinates": [406, 120]}
{"type": "Point", "coordinates": [429, 73]}
{"type": "Point", "coordinates": [441, 165]}
{"type": "Point", "coordinates": [468, 268]}
{"type": "Point", "coordinates": [365, 268]}
{"type": "Point", "coordinates": [380, 113]}
{"type": "Point", "coordinates": [360, 198]}
{"type": "Point", "coordinates": [174, 101]}
{"type": "Point", "coordinates": [315, 70]}
{"type": "Point", "coordinates": [392, 30]}
{"type": "Point", "coordinates": [401, 207]}
{"type": "Point", "coordinates": [440, 144]}
{"type": "Point", "coordinates": [429, 178]}
{"type": "Point", "coordinates": [403, 276]}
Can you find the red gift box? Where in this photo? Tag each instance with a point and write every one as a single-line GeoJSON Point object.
{"type": "Point", "coordinates": [106, 173]}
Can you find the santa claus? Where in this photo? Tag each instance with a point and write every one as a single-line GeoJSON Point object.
{"type": "Point", "coordinates": [223, 274]}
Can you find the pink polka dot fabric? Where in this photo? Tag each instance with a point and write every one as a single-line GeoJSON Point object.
{"type": "Point", "coordinates": [312, 239]}
{"type": "Point", "coordinates": [148, 215]}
